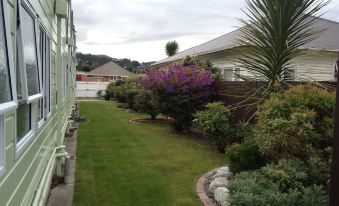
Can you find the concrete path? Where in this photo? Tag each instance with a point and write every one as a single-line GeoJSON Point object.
{"type": "Point", "coordinates": [62, 195]}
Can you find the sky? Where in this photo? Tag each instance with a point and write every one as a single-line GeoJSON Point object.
{"type": "Point", "coordinates": [139, 29]}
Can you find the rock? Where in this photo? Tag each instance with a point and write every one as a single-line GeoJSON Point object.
{"type": "Point", "coordinates": [221, 195]}
{"type": "Point", "coordinates": [223, 174]}
{"type": "Point", "coordinates": [217, 182]}
{"type": "Point", "coordinates": [223, 169]}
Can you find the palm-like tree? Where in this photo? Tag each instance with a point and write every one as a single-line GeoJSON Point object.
{"type": "Point", "coordinates": [272, 36]}
{"type": "Point", "coordinates": [171, 48]}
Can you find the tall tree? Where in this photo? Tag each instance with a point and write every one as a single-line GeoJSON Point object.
{"type": "Point", "coordinates": [272, 36]}
{"type": "Point", "coordinates": [172, 48]}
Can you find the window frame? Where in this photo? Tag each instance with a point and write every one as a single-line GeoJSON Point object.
{"type": "Point", "coordinates": [290, 72]}
{"type": "Point", "coordinates": [233, 70]}
{"type": "Point", "coordinates": [11, 105]}
{"type": "Point", "coordinates": [25, 140]}
{"type": "Point", "coordinates": [45, 71]}
{"type": "Point", "coordinates": [2, 146]}
{"type": "Point", "coordinates": [22, 4]}
{"type": "Point", "coordinates": [336, 69]}
{"type": "Point", "coordinates": [64, 77]}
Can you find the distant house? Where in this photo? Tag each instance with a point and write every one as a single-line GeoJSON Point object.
{"type": "Point", "coordinates": [318, 63]}
{"type": "Point", "coordinates": [106, 73]}
{"type": "Point", "coordinates": [89, 83]}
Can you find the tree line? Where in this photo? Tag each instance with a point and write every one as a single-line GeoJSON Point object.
{"type": "Point", "coordinates": [88, 62]}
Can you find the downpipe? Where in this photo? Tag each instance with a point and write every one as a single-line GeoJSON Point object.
{"type": "Point", "coordinates": [43, 188]}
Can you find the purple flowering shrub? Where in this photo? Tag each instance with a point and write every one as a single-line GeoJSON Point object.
{"type": "Point", "coordinates": [180, 91]}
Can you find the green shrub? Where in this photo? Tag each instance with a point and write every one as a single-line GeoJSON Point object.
{"type": "Point", "coordinates": [309, 107]}
{"type": "Point", "coordinates": [214, 120]}
{"type": "Point", "coordinates": [99, 94]}
{"type": "Point", "coordinates": [241, 131]}
{"type": "Point", "coordinates": [298, 125]}
{"type": "Point", "coordinates": [107, 96]}
{"type": "Point", "coordinates": [251, 188]}
{"type": "Point", "coordinates": [130, 97]}
{"type": "Point", "coordinates": [301, 116]}
{"type": "Point", "coordinates": [110, 88]}
{"type": "Point", "coordinates": [145, 102]}
{"type": "Point", "coordinates": [245, 156]}
{"type": "Point", "coordinates": [287, 173]}
{"type": "Point", "coordinates": [119, 88]}
{"type": "Point", "coordinates": [284, 138]}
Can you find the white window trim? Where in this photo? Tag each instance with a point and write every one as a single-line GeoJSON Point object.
{"type": "Point", "coordinates": [8, 106]}
{"type": "Point", "coordinates": [22, 145]}
{"type": "Point", "coordinates": [64, 78]}
{"type": "Point", "coordinates": [42, 110]}
{"type": "Point", "coordinates": [23, 75]}
{"type": "Point", "coordinates": [2, 146]}
{"type": "Point", "coordinates": [50, 76]}
{"type": "Point", "coordinates": [46, 112]}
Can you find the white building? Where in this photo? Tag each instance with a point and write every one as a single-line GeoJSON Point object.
{"type": "Point", "coordinates": [317, 64]}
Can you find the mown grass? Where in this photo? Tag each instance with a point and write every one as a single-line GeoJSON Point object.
{"type": "Point", "coordinates": [123, 163]}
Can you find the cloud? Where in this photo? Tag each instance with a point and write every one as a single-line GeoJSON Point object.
{"type": "Point", "coordinates": [139, 29]}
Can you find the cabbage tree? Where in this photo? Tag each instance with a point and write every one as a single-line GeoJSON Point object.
{"type": "Point", "coordinates": [273, 34]}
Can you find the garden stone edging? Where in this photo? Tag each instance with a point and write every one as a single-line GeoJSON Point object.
{"type": "Point", "coordinates": [143, 120]}
{"type": "Point", "coordinates": [217, 188]}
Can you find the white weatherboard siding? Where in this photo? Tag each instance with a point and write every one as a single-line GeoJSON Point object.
{"type": "Point", "coordinates": [90, 89]}
{"type": "Point", "coordinates": [312, 65]}
{"type": "Point", "coordinates": [316, 66]}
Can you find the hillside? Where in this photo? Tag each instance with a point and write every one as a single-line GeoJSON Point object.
{"type": "Point", "coordinates": [88, 62]}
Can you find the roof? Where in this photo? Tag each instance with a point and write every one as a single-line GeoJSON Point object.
{"type": "Point", "coordinates": [110, 69]}
{"type": "Point", "coordinates": [327, 41]}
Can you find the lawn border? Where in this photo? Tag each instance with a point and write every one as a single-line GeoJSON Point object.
{"type": "Point", "coordinates": [201, 191]}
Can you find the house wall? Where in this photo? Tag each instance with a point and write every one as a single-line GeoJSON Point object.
{"type": "Point", "coordinates": [312, 65]}
{"type": "Point", "coordinates": [19, 183]}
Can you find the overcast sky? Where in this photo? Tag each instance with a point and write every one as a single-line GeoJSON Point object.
{"type": "Point", "coordinates": [139, 29]}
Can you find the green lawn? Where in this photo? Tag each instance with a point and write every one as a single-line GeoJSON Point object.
{"type": "Point", "coordinates": [123, 163]}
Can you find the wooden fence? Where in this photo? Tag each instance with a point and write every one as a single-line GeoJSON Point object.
{"type": "Point", "coordinates": [239, 95]}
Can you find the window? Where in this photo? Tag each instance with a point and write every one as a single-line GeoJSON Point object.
{"type": "Point", "coordinates": [336, 70]}
{"type": "Point", "coordinates": [289, 75]}
{"type": "Point", "coordinates": [29, 88]}
{"type": "Point", "coordinates": [64, 77]}
{"type": "Point", "coordinates": [2, 145]}
{"type": "Point", "coordinates": [231, 74]}
{"type": "Point", "coordinates": [7, 85]}
{"type": "Point", "coordinates": [44, 56]}
{"type": "Point", "coordinates": [236, 72]}
{"type": "Point", "coordinates": [28, 54]}
{"type": "Point", "coordinates": [23, 121]}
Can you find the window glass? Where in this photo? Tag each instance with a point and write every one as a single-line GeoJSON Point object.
{"type": "Point", "coordinates": [5, 88]}
{"type": "Point", "coordinates": [44, 54]}
{"type": "Point", "coordinates": [23, 121]}
{"type": "Point", "coordinates": [228, 74]}
{"type": "Point", "coordinates": [289, 75]}
{"type": "Point", "coordinates": [23, 114]}
{"type": "Point", "coordinates": [30, 52]}
{"type": "Point", "coordinates": [236, 74]}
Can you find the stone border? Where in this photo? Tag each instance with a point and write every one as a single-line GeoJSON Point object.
{"type": "Point", "coordinates": [201, 191]}
{"type": "Point", "coordinates": [143, 120]}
